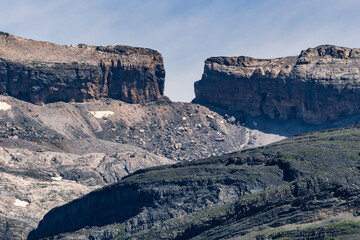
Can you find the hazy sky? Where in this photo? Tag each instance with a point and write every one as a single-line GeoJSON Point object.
{"type": "Point", "coordinates": [187, 32]}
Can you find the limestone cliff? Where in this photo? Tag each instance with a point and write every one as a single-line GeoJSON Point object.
{"type": "Point", "coordinates": [319, 85]}
{"type": "Point", "coordinates": [42, 72]}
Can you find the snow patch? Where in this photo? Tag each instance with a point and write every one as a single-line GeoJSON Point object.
{"type": "Point", "coordinates": [20, 203]}
{"type": "Point", "coordinates": [69, 181]}
{"type": "Point", "coordinates": [56, 178]}
{"type": "Point", "coordinates": [5, 106]}
{"type": "Point", "coordinates": [102, 114]}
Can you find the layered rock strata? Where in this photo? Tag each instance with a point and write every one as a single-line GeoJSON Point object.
{"type": "Point", "coordinates": [35, 180]}
{"type": "Point", "coordinates": [305, 187]}
{"type": "Point", "coordinates": [43, 72]}
{"type": "Point", "coordinates": [319, 85]}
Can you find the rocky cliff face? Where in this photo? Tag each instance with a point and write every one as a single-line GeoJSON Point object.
{"type": "Point", "coordinates": [42, 72]}
{"type": "Point", "coordinates": [35, 180]}
{"type": "Point", "coordinates": [51, 154]}
{"type": "Point", "coordinates": [319, 85]}
{"type": "Point", "coordinates": [306, 187]}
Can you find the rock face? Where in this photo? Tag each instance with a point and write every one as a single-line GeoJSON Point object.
{"type": "Point", "coordinates": [319, 85]}
{"type": "Point", "coordinates": [54, 153]}
{"type": "Point", "coordinates": [41, 179]}
{"type": "Point", "coordinates": [306, 187]}
{"type": "Point", "coordinates": [42, 72]}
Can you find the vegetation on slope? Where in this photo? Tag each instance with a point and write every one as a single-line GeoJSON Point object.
{"type": "Point", "coordinates": [301, 180]}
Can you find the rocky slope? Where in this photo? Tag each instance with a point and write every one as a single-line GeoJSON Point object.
{"type": "Point", "coordinates": [42, 72]}
{"type": "Point", "coordinates": [34, 180]}
{"type": "Point", "coordinates": [52, 154]}
{"type": "Point", "coordinates": [55, 153]}
{"type": "Point", "coordinates": [305, 187]}
{"type": "Point", "coordinates": [319, 85]}
{"type": "Point", "coordinates": [57, 145]}
{"type": "Point", "coordinates": [179, 131]}
{"type": "Point", "coordinates": [87, 145]}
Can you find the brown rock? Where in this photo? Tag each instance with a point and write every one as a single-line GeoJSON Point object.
{"type": "Point", "coordinates": [42, 72]}
{"type": "Point", "coordinates": [319, 85]}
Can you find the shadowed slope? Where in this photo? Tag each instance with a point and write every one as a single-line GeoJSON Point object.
{"type": "Point", "coordinates": [300, 180]}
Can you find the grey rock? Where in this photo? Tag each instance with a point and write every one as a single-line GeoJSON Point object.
{"type": "Point", "coordinates": [46, 179]}
{"type": "Point", "coordinates": [319, 85]}
{"type": "Point", "coordinates": [306, 187]}
{"type": "Point", "coordinates": [231, 119]}
{"type": "Point", "coordinates": [66, 140]}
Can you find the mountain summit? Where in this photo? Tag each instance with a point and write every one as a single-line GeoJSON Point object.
{"type": "Point", "coordinates": [321, 84]}
{"type": "Point", "coordinates": [43, 72]}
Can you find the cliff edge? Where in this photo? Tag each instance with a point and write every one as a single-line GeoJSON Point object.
{"type": "Point", "coordinates": [43, 72]}
{"type": "Point", "coordinates": [319, 85]}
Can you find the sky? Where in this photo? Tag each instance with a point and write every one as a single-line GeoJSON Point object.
{"type": "Point", "coordinates": [187, 32]}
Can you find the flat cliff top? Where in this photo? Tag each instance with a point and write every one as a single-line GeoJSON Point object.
{"type": "Point", "coordinates": [325, 62]}
{"type": "Point", "coordinates": [17, 49]}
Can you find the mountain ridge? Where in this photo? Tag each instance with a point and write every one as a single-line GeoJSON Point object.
{"type": "Point", "coordinates": [319, 85]}
{"type": "Point", "coordinates": [65, 131]}
{"type": "Point", "coordinates": [43, 72]}
{"type": "Point", "coordinates": [231, 196]}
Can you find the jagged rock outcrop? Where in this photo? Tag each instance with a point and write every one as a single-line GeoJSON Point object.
{"type": "Point", "coordinates": [35, 180]}
{"type": "Point", "coordinates": [306, 187]}
{"type": "Point", "coordinates": [319, 85]}
{"type": "Point", "coordinates": [42, 72]}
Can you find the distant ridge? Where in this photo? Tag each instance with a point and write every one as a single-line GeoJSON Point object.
{"type": "Point", "coordinates": [43, 72]}
{"type": "Point", "coordinates": [319, 85]}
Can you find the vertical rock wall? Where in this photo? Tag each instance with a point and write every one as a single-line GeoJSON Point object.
{"type": "Point", "coordinates": [42, 72]}
{"type": "Point", "coordinates": [319, 85]}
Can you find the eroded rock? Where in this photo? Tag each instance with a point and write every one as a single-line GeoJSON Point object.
{"type": "Point", "coordinates": [319, 85]}
{"type": "Point", "coordinates": [306, 187]}
{"type": "Point", "coordinates": [43, 72]}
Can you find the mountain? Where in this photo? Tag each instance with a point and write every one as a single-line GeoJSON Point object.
{"type": "Point", "coordinates": [74, 119]}
{"type": "Point", "coordinates": [57, 144]}
{"type": "Point", "coordinates": [43, 72]}
{"type": "Point", "coordinates": [54, 153]}
{"type": "Point", "coordinates": [34, 180]}
{"type": "Point", "coordinates": [305, 187]}
{"type": "Point", "coordinates": [319, 85]}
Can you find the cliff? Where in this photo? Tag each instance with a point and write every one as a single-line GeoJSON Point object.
{"type": "Point", "coordinates": [42, 72]}
{"type": "Point", "coordinates": [319, 85]}
{"type": "Point", "coordinates": [305, 187]}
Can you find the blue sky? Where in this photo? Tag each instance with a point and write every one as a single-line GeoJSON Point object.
{"type": "Point", "coordinates": [187, 32]}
